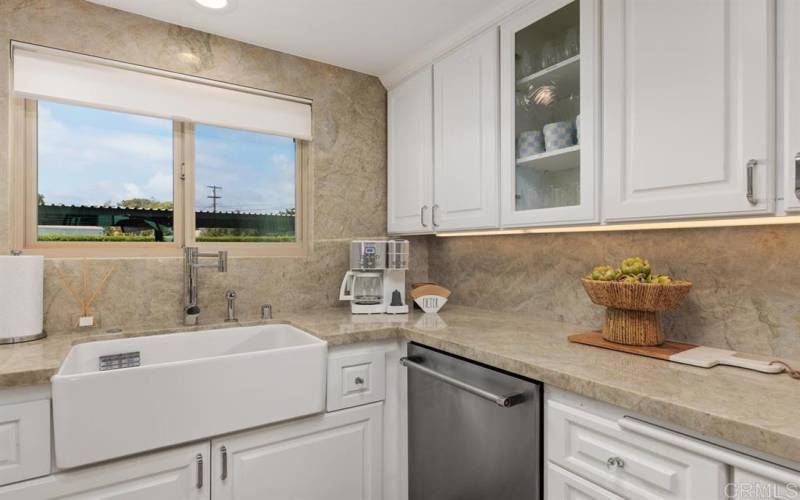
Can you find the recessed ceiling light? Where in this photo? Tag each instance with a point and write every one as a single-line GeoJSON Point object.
{"type": "Point", "coordinates": [213, 4]}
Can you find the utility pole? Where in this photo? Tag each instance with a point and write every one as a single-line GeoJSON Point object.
{"type": "Point", "coordinates": [214, 196]}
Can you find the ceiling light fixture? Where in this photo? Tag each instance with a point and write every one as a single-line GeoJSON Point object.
{"type": "Point", "coordinates": [213, 4]}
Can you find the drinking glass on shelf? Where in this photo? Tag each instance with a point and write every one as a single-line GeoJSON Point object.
{"type": "Point", "coordinates": [571, 43]}
{"type": "Point", "coordinates": [549, 55]}
{"type": "Point", "coordinates": [525, 64]}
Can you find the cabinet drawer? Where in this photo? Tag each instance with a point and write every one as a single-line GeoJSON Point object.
{"type": "Point", "coordinates": [598, 449]}
{"type": "Point", "coordinates": [564, 485]}
{"type": "Point", "coordinates": [748, 484]}
{"type": "Point", "coordinates": [356, 378]}
{"type": "Point", "coordinates": [24, 441]}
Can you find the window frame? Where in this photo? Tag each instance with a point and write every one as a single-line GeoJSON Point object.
{"type": "Point", "coordinates": [24, 201]}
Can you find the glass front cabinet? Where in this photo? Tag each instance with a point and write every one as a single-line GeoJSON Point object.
{"type": "Point", "coordinates": [549, 112]}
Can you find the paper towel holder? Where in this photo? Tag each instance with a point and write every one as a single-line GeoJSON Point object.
{"type": "Point", "coordinates": [22, 338]}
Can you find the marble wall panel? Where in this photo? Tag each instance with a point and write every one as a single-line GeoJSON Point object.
{"type": "Point", "coordinates": [347, 161]}
{"type": "Point", "coordinates": [745, 297]}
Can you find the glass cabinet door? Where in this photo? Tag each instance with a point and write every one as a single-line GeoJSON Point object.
{"type": "Point", "coordinates": [547, 168]}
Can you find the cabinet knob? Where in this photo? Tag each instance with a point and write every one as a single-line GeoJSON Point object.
{"type": "Point", "coordinates": [615, 463]}
{"type": "Point", "coordinates": [359, 381]}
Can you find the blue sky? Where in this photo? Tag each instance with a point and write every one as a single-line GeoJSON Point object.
{"type": "Point", "coordinates": [90, 157]}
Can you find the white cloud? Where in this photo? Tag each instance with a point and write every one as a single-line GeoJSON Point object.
{"type": "Point", "coordinates": [82, 163]}
{"type": "Point", "coordinates": [160, 185]}
{"type": "Point", "coordinates": [132, 191]}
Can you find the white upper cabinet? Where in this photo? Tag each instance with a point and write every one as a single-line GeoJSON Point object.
{"type": "Point", "coordinates": [549, 89]}
{"type": "Point", "coordinates": [789, 107]}
{"type": "Point", "coordinates": [688, 108]}
{"type": "Point", "coordinates": [410, 155]}
{"type": "Point", "coordinates": [465, 101]}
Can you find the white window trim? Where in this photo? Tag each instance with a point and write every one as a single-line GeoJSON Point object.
{"type": "Point", "coordinates": [23, 206]}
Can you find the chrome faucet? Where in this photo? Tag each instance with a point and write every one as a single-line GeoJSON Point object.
{"type": "Point", "coordinates": [191, 263]}
{"type": "Point", "coordinates": [230, 296]}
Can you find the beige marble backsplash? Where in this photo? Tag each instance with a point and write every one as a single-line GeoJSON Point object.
{"type": "Point", "coordinates": [746, 293]}
{"type": "Point", "coordinates": [348, 164]}
{"type": "Point", "coordinates": [148, 293]}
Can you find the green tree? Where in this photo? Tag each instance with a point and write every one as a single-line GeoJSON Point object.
{"type": "Point", "coordinates": [145, 203]}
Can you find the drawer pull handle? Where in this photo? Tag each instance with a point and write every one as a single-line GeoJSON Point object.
{"type": "Point", "coordinates": [615, 463]}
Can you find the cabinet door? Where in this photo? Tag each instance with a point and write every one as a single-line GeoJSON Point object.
{"type": "Point", "coordinates": [549, 102]}
{"type": "Point", "coordinates": [410, 155]}
{"type": "Point", "coordinates": [333, 456]}
{"type": "Point", "coordinates": [465, 102]}
{"type": "Point", "coordinates": [789, 106]}
{"type": "Point", "coordinates": [688, 108]}
{"type": "Point", "coordinates": [24, 440]}
{"type": "Point", "coordinates": [177, 474]}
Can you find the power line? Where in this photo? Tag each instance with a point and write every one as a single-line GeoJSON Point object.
{"type": "Point", "coordinates": [214, 196]}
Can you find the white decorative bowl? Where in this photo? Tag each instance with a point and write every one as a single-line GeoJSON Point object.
{"type": "Point", "coordinates": [431, 303]}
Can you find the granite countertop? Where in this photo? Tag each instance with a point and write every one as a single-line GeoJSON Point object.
{"type": "Point", "coordinates": [752, 409]}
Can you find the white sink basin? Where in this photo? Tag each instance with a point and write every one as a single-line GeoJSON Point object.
{"type": "Point", "coordinates": [189, 386]}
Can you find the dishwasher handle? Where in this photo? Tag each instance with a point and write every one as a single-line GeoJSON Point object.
{"type": "Point", "coordinates": [506, 401]}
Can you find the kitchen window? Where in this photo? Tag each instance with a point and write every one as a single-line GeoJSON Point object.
{"type": "Point", "coordinates": [93, 178]}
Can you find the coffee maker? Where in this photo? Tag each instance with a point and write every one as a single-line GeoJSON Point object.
{"type": "Point", "coordinates": [376, 281]}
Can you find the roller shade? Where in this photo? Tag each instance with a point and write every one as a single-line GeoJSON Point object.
{"type": "Point", "coordinates": [43, 73]}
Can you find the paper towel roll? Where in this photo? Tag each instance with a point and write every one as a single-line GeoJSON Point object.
{"type": "Point", "coordinates": [21, 299]}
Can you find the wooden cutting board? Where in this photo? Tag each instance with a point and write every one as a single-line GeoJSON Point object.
{"type": "Point", "coordinates": [679, 352]}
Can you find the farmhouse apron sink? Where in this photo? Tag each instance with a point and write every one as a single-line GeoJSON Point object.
{"type": "Point", "coordinates": [187, 386]}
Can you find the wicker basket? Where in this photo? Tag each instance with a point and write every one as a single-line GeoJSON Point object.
{"type": "Point", "coordinates": [632, 314]}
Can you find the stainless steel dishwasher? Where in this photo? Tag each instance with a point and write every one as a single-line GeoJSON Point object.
{"type": "Point", "coordinates": [473, 432]}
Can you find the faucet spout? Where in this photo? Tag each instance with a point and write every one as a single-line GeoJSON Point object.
{"type": "Point", "coordinates": [191, 264]}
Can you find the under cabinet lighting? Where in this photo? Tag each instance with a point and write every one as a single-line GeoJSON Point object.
{"type": "Point", "coordinates": [646, 226]}
{"type": "Point", "coordinates": [212, 4]}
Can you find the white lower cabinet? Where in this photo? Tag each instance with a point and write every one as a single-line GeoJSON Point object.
{"type": "Point", "coordinates": [763, 485]}
{"type": "Point", "coordinates": [177, 474]}
{"type": "Point", "coordinates": [332, 456]}
{"type": "Point", "coordinates": [597, 451]}
{"type": "Point", "coordinates": [564, 485]}
{"type": "Point", "coordinates": [24, 440]}
{"type": "Point", "coordinates": [626, 463]}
